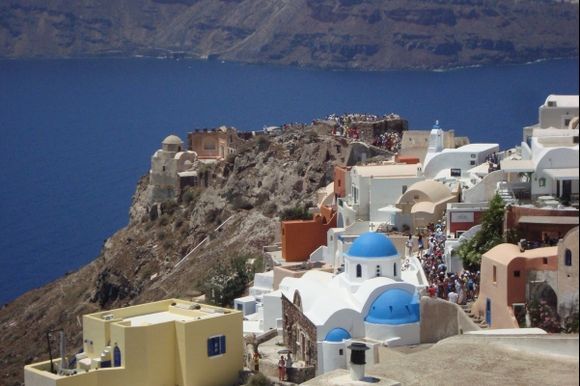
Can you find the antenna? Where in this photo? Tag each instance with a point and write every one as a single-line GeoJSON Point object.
{"type": "Point", "coordinates": [48, 334]}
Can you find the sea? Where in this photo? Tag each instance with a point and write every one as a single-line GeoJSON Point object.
{"type": "Point", "coordinates": [76, 135]}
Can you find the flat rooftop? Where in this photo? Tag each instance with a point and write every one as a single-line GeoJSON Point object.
{"type": "Point", "coordinates": [170, 310]}
{"type": "Point", "coordinates": [388, 171]}
{"type": "Point", "coordinates": [563, 100]}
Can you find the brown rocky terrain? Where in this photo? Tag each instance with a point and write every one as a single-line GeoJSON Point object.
{"type": "Point", "coordinates": [363, 34]}
{"type": "Point", "coordinates": [137, 264]}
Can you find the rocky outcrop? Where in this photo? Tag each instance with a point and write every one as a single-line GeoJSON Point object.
{"type": "Point", "coordinates": [139, 262]}
{"type": "Point", "coordinates": [365, 34]}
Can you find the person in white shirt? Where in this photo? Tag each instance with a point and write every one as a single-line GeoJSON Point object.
{"type": "Point", "coordinates": [409, 245]}
{"type": "Point", "coordinates": [452, 296]}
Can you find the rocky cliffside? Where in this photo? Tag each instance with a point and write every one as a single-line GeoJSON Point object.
{"type": "Point", "coordinates": [138, 263]}
{"type": "Point", "coordinates": [366, 34]}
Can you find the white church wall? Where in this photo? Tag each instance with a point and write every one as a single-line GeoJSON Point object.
{"type": "Point", "coordinates": [397, 335]}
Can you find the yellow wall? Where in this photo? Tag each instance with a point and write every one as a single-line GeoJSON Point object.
{"type": "Point", "coordinates": [217, 371]}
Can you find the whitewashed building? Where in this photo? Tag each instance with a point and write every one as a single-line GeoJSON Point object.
{"type": "Point", "coordinates": [374, 187]}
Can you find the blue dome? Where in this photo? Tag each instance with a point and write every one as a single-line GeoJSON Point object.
{"type": "Point", "coordinates": [372, 244]}
{"type": "Point", "coordinates": [395, 306]}
{"type": "Point", "coordinates": [337, 335]}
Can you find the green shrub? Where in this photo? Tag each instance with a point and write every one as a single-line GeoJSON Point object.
{"type": "Point", "coordinates": [490, 235]}
{"type": "Point", "coordinates": [228, 280]}
{"type": "Point", "coordinates": [296, 213]}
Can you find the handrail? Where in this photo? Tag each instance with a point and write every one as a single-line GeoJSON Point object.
{"type": "Point", "coordinates": [190, 253]}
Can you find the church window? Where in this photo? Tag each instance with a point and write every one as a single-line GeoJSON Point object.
{"type": "Point", "coordinates": [568, 258]}
{"type": "Point", "coordinates": [358, 270]}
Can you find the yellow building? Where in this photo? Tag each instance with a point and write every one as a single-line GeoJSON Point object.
{"type": "Point", "coordinates": [167, 343]}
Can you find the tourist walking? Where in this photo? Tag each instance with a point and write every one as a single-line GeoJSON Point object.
{"type": "Point", "coordinates": [409, 246]}
{"type": "Point", "coordinates": [281, 369]}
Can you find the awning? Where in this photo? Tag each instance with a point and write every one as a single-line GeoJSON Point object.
{"type": "Point", "coordinates": [517, 165]}
{"type": "Point", "coordinates": [563, 174]}
{"type": "Point", "coordinates": [558, 220]}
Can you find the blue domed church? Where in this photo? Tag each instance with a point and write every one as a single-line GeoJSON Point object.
{"type": "Point", "coordinates": [369, 301]}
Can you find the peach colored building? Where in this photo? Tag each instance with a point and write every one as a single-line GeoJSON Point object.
{"type": "Point", "coordinates": [341, 180]}
{"type": "Point", "coordinates": [302, 237]}
{"type": "Point", "coordinates": [510, 276]}
{"type": "Point", "coordinates": [425, 202]}
{"type": "Point", "coordinates": [213, 144]}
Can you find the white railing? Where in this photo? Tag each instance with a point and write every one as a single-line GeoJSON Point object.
{"type": "Point", "coordinates": [205, 240]}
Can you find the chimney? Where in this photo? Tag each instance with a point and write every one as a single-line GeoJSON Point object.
{"type": "Point", "coordinates": [357, 361]}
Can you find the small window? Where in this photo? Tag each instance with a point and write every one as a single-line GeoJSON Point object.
{"type": "Point", "coordinates": [516, 273]}
{"type": "Point", "coordinates": [395, 269]}
{"type": "Point", "coordinates": [473, 156]}
{"type": "Point", "coordinates": [455, 172]}
{"type": "Point", "coordinates": [163, 168]}
{"type": "Point", "coordinates": [341, 352]}
{"type": "Point", "coordinates": [566, 122]}
{"type": "Point", "coordinates": [494, 274]}
{"type": "Point", "coordinates": [472, 163]}
{"type": "Point", "coordinates": [542, 182]}
{"type": "Point", "coordinates": [338, 182]}
{"type": "Point", "coordinates": [545, 260]}
{"type": "Point", "coordinates": [568, 258]}
{"type": "Point", "coordinates": [358, 270]}
{"type": "Point", "coordinates": [378, 270]}
{"type": "Point", "coordinates": [216, 345]}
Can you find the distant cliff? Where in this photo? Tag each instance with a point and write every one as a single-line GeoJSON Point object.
{"type": "Point", "coordinates": [365, 34]}
{"type": "Point", "coordinates": [138, 263]}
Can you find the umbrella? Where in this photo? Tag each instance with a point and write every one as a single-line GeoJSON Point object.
{"type": "Point", "coordinates": [391, 210]}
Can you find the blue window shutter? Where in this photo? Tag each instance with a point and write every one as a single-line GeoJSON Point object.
{"type": "Point", "coordinates": [209, 348]}
{"type": "Point", "coordinates": [223, 344]}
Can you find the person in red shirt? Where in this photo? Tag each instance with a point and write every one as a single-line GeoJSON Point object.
{"type": "Point", "coordinates": [432, 291]}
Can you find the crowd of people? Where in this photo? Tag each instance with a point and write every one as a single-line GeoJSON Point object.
{"type": "Point", "coordinates": [346, 127]}
{"type": "Point", "coordinates": [459, 288]}
{"type": "Point", "coordinates": [390, 140]}
{"type": "Point", "coordinates": [347, 119]}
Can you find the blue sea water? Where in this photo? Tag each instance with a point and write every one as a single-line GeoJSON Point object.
{"type": "Point", "coordinates": [77, 134]}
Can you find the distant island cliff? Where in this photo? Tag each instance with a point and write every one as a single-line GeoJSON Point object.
{"type": "Point", "coordinates": [359, 34]}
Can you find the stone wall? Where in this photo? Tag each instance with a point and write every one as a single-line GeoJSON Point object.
{"type": "Point", "coordinates": [441, 319]}
{"type": "Point", "coordinates": [299, 332]}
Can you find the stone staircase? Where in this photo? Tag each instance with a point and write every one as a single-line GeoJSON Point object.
{"type": "Point", "coordinates": [506, 194]}
{"type": "Point", "coordinates": [476, 319]}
